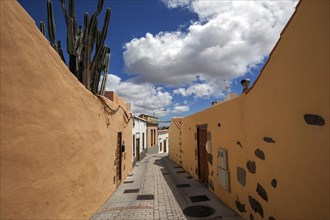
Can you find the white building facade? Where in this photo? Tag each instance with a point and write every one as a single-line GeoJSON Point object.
{"type": "Point", "coordinates": [163, 146]}
{"type": "Point", "coordinates": [139, 143]}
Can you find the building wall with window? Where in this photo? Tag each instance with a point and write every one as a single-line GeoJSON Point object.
{"type": "Point", "coordinates": [139, 139]}
{"type": "Point", "coordinates": [266, 152]}
{"type": "Point", "coordinates": [163, 141]}
{"type": "Point", "coordinates": [152, 133]}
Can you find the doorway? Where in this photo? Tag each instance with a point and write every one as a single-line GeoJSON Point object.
{"type": "Point", "coordinates": [118, 157]}
{"type": "Point", "coordinates": [138, 149]}
{"type": "Point", "coordinates": [165, 146]}
{"type": "Point", "coordinates": [203, 167]}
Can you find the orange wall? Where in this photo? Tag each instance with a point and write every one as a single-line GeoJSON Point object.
{"type": "Point", "coordinates": [175, 143]}
{"type": "Point", "coordinates": [57, 140]}
{"type": "Point", "coordinates": [293, 83]}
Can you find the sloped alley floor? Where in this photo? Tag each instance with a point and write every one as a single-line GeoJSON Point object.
{"type": "Point", "coordinates": [157, 188]}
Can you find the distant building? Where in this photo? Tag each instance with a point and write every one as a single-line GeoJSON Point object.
{"type": "Point", "coordinates": [152, 133]}
{"type": "Point", "coordinates": [139, 144]}
{"type": "Point", "coordinates": [163, 144]}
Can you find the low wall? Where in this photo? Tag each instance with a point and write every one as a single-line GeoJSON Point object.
{"type": "Point", "coordinates": [57, 140]}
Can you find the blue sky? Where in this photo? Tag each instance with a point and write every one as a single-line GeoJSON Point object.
{"type": "Point", "coordinates": [180, 55]}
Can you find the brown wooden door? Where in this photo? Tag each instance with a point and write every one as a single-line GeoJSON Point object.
{"type": "Point", "coordinates": [118, 157]}
{"type": "Point", "coordinates": [202, 154]}
{"type": "Point", "coordinates": [138, 149]}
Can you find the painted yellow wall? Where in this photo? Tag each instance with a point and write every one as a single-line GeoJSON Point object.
{"type": "Point", "coordinates": [293, 83]}
{"type": "Point", "coordinates": [175, 139]}
{"type": "Point", "coordinates": [57, 141]}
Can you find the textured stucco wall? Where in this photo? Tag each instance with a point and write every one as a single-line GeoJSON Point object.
{"type": "Point", "coordinates": [174, 140]}
{"type": "Point", "coordinates": [57, 141]}
{"type": "Point", "coordinates": [276, 135]}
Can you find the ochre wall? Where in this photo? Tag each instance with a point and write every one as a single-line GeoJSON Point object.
{"type": "Point", "coordinates": [57, 141]}
{"type": "Point", "coordinates": [293, 83]}
{"type": "Point", "coordinates": [174, 140]}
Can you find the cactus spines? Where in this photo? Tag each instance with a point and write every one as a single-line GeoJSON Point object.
{"type": "Point", "coordinates": [87, 64]}
{"type": "Point", "coordinates": [42, 28]}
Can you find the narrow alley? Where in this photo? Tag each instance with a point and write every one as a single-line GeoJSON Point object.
{"type": "Point", "coordinates": [157, 188]}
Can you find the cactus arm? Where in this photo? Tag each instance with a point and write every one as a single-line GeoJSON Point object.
{"type": "Point", "coordinates": [64, 11]}
{"type": "Point", "coordinates": [60, 52]}
{"type": "Point", "coordinates": [51, 24]}
{"type": "Point", "coordinates": [42, 28]}
{"type": "Point", "coordinates": [106, 70]}
{"type": "Point", "coordinates": [102, 39]}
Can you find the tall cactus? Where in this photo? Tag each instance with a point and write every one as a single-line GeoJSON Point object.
{"type": "Point", "coordinates": [89, 58]}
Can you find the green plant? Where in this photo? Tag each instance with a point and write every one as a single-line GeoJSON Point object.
{"type": "Point", "coordinates": [88, 56]}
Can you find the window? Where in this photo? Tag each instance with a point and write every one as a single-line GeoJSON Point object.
{"type": "Point", "coordinates": [160, 146]}
{"type": "Point", "coordinates": [133, 145]}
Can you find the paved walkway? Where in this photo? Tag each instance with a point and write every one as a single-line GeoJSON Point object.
{"type": "Point", "coordinates": [156, 189]}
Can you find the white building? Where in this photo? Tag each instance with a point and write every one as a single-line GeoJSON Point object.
{"type": "Point", "coordinates": [163, 146]}
{"type": "Point", "coordinates": [139, 133]}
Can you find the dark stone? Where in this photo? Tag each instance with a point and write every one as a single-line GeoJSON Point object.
{"type": "Point", "coordinates": [182, 185]}
{"type": "Point", "coordinates": [251, 216]}
{"type": "Point", "coordinates": [145, 197]}
{"type": "Point", "coordinates": [201, 198]}
{"type": "Point", "coordinates": [274, 183]}
{"type": "Point", "coordinates": [262, 192]}
{"type": "Point", "coordinates": [241, 176]}
{"type": "Point", "coordinates": [260, 154]}
{"type": "Point", "coordinates": [239, 143]}
{"type": "Point", "coordinates": [189, 177]}
{"type": "Point", "coordinates": [198, 211]}
{"type": "Point", "coordinates": [271, 218]}
{"type": "Point", "coordinates": [210, 159]}
{"type": "Point", "coordinates": [128, 182]}
{"type": "Point", "coordinates": [219, 125]}
{"type": "Point", "coordinates": [181, 171]}
{"type": "Point", "coordinates": [212, 173]}
{"type": "Point", "coordinates": [211, 185]}
{"type": "Point", "coordinates": [256, 206]}
{"type": "Point", "coordinates": [180, 161]}
{"type": "Point", "coordinates": [314, 119]}
{"type": "Point", "coordinates": [240, 206]}
{"type": "Point", "coordinates": [251, 166]}
{"type": "Point", "coordinates": [131, 191]}
{"type": "Point", "coordinates": [177, 167]}
{"type": "Point", "coordinates": [269, 140]}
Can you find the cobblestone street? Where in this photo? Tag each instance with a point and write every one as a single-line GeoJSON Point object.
{"type": "Point", "coordinates": [157, 188]}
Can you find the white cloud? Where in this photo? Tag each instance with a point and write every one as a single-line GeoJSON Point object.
{"type": "Point", "coordinates": [180, 109]}
{"type": "Point", "coordinates": [145, 98]}
{"type": "Point", "coordinates": [214, 88]}
{"type": "Point", "coordinates": [229, 39]}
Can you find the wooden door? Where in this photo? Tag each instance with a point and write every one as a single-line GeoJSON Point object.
{"type": "Point", "coordinates": [202, 154]}
{"type": "Point", "coordinates": [118, 157]}
{"type": "Point", "coordinates": [165, 146]}
{"type": "Point", "coordinates": [138, 149]}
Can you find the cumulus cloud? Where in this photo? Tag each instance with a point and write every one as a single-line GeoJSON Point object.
{"type": "Point", "coordinates": [180, 109]}
{"type": "Point", "coordinates": [145, 98]}
{"type": "Point", "coordinates": [229, 39]}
